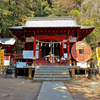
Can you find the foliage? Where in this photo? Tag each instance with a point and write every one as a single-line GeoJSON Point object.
{"type": "Point", "coordinates": [41, 8]}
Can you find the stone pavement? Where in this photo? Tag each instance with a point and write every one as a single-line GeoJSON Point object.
{"type": "Point", "coordinates": [54, 91]}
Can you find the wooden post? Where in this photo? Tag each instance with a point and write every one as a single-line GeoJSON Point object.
{"type": "Point", "coordinates": [68, 45]}
{"type": "Point", "coordinates": [26, 61]}
{"type": "Point", "coordinates": [34, 47]}
{"type": "Point", "coordinates": [14, 57]}
{"type": "Point", "coordinates": [40, 50]}
{"type": "Point", "coordinates": [24, 46]}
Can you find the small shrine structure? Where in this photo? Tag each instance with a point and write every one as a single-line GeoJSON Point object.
{"type": "Point", "coordinates": [7, 44]}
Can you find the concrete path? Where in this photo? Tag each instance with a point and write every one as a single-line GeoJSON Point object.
{"type": "Point", "coordinates": [54, 91]}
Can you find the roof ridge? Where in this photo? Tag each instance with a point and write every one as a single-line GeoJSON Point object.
{"type": "Point", "coordinates": [51, 18]}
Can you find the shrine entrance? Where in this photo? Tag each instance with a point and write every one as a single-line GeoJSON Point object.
{"type": "Point", "coordinates": [47, 48]}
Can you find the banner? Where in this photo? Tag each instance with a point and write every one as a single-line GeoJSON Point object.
{"type": "Point", "coordinates": [82, 64]}
{"type": "Point", "coordinates": [98, 52]}
{"type": "Point", "coordinates": [1, 57]}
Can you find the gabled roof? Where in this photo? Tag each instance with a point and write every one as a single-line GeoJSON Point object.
{"type": "Point", "coordinates": [48, 25]}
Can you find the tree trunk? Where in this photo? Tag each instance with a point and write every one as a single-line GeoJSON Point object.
{"type": "Point", "coordinates": [9, 2]}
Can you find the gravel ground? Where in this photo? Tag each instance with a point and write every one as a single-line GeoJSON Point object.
{"type": "Point", "coordinates": [18, 89]}
{"type": "Point", "coordinates": [25, 89]}
{"type": "Point", "coordinates": [84, 88]}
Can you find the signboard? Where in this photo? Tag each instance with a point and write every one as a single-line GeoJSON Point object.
{"type": "Point", "coordinates": [71, 39]}
{"type": "Point", "coordinates": [28, 54]}
{"type": "Point", "coordinates": [82, 64]}
{"type": "Point", "coordinates": [1, 57]}
{"type": "Point", "coordinates": [98, 52]}
{"type": "Point", "coordinates": [20, 64]}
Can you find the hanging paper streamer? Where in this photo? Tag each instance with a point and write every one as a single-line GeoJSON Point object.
{"type": "Point", "coordinates": [49, 44]}
{"type": "Point", "coordinates": [38, 43]}
{"type": "Point", "coordinates": [41, 44]}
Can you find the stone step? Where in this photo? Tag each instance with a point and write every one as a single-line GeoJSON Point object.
{"type": "Point", "coordinates": [48, 71]}
{"type": "Point", "coordinates": [51, 69]}
{"type": "Point", "coordinates": [51, 79]}
{"type": "Point", "coordinates": [45, 73]}
{"type": "Point", "coordinates": [50, 76]}
{"type": "Point", "coordinates": [51, 73]}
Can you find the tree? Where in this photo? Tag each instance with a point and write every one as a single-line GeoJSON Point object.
{"type": "Point", "coordinates": [41, 8]}
{"type": "Point", "coordinates": [13, 15]}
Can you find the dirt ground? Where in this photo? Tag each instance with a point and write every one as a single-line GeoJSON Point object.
{"type": "Point", "coordinates": [18, 89]}
{"type": "Point", "coordinates": [24, 89]}
{"type": "Point", "coordinates": [84, 88]}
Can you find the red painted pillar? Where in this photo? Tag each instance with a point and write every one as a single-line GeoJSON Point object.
{"type": "Point", "coordinates": [14, 57]}
{"type": "Point", "coordinates": [34, 47]}
{"type": "Point", "coordinates": [9, 50]}
{"type": "Point", "coordinates": [40, 50]}
{"type": "Point", "coordinates": [24, 46]}
{"type": "Point", "coordinates": [68, 45]}
{"type": "Point", "coordinates": [26, 61]}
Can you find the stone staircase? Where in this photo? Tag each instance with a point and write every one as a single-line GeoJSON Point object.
{"type": "Point", "coordinates": [46, 73]}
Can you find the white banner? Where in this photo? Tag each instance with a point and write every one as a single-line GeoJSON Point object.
{"type": "Point", "coordinates": [82, 64]}
{"type": "Point", "coordinates": [6, 62]}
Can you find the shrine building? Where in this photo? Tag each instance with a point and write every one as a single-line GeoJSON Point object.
{"type": "Point", "coordinates": [47, 38]}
